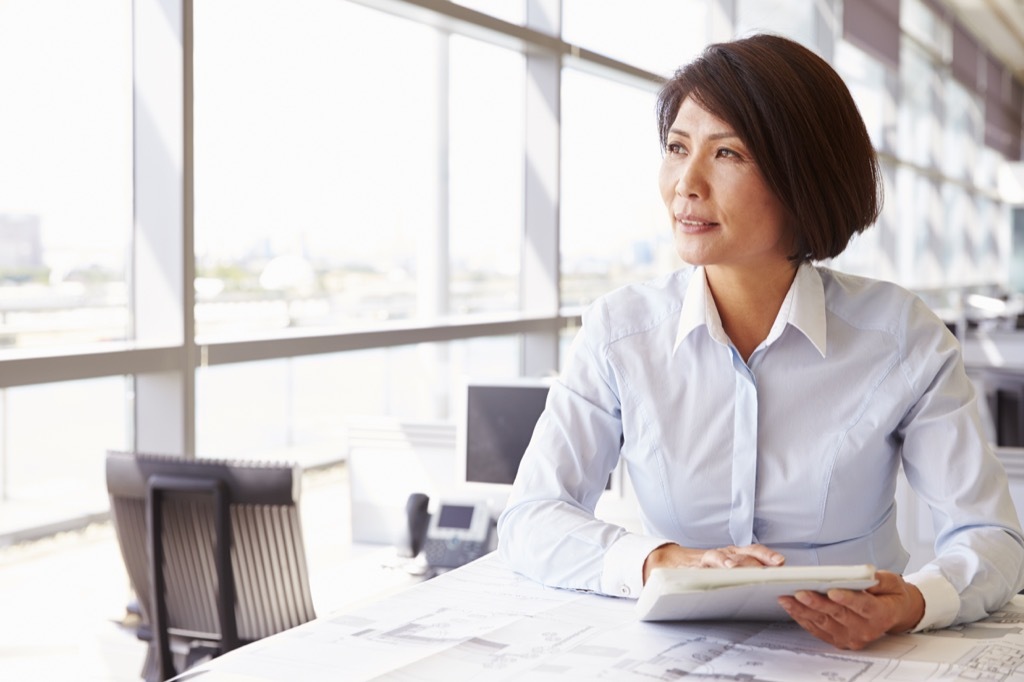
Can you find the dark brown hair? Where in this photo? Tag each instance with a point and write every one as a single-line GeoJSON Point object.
{"type": "Point", "coordinates": [798, 119]}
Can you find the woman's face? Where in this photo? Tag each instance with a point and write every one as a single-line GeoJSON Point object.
{"type": "Point", "coordinates": [721, 209]}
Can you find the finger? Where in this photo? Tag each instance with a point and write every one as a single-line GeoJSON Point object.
{"type": "Point", "coordinates": [847, 628]}
{"type": "Point", "coordinates": [752, 555]}
{"type": "Point", "coordinates": [807, 607]}
{"type": "Point", "coordinates": [765, 555]}
{"type": "Point", "coordinates": [744, 560]}
{"type": "Point", "coordinates": [713, 558]}
{"type": "Point", "coordinates": [823, 635]}
{"type": "Point", "coordinates": [888, 583]}
{"type": "Point", "coordinates": [841, 638]}
{"type": "Point", "coordinates": [862, 604]}
{"type": "Point", "coordinates": [805, 618]}
{"type": "Point", "coordinates": [834, 617]}
{"type": "Point", "coordinates": [838, 609]}
{"type": "Point", "coordinates": [732, 556]}
{"type": "Point", "coordinates": [727, 557]}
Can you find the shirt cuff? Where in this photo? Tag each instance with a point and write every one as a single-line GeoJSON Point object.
{"type": "Point", "coordinates": [941, 600]}
{"type": "Point", "coordinates": [623, 573]}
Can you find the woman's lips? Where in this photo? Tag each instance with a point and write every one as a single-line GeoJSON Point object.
{"type": "Point", "coordinates": [694, 226]}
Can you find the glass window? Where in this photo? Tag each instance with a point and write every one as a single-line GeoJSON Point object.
{"type": "Point", "coordinates": [791, 18]}
{"type": "Point", "coordinates": [65, 171]}
{"type": "Point", "coordinates": [861, 255]}
{"type": "Point", "coordinates": [963, 132]}
{"type": "Point", "coordinates": [921, 88]}
{"type": "Point", "coordinates": [875, 252]}
{"type": "Point", "coordinates": [889, 227]}
{"type": "Point", "coordinates": [565, 338]}
{"type": "Point", "coordinates": [656, 35]}
{"type": "Point", "coordinates": [614, 228]}
{"type": "Point", "coordinates": [866, 77]}
{"type": "Point", "coordinates": [992, 239]}
{"type": "Point", "coordinates": [920, 21]}
{"type": "Point", "coordinates": [957, 210]}
{"type": "Point", "coordinates": [486, 176]}
{"type": "Point", "coordinates": [297, 409]}
{"type": "Point", "coordinates": [986, 170]}
{"type": "Point", "coordinates": [921, 210]}
{"type": "Point", "coordinates": [908, 210]}
{"type": "Point", "coordinates": [316, 163]}
{"type": "Point", "coordinates": [512, 11]}
{"type": "Point", "coordinates": [52, 474]}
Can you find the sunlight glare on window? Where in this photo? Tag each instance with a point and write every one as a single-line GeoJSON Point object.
{"type": "Point", "coordinates": [614, 228]}
{"type": "Point", "coordinates": [656, 35]}
{"type": "Point", "coordinates": [65, 171]}
{"type": "Point", "coordinates": [315, 163]}
{"type": "Point", "coordinates": [486, 166]}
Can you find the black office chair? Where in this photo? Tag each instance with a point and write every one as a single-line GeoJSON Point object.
{"type": "Point", "coordinates": [213, 550]}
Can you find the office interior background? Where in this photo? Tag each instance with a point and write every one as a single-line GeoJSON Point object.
{"type": "Point", "coordinates": [234, 228]}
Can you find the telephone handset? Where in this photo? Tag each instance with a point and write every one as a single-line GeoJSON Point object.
{"type": "Point", "coordinates": [415, 531]}
{"type": "Point", "coordinates": [455, 535]}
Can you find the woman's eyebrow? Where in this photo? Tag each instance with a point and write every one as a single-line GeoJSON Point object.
{"type": "Point", "coordinates": [713, 136]}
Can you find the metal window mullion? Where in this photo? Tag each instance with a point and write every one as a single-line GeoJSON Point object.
{"type": "Point", "coordinates": [188, 261]}
{"type": "Point", "coordinates": [433, 266]}
{"type": "Point", "coordinates": [433, 291]}
{"type": "Point", "coordinates": [539, 273]}
{"type": "Point", "coordinates": [161, 263]}
{"type": "Point", "coordinates": [4, 485]}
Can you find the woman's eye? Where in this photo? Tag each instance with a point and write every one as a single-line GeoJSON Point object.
{"type": "Point", "coordinates": [728, 153]}
{"type": "Point", "coordinates": [675, 148]}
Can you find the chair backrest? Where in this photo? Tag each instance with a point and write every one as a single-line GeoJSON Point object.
{"type": "Point", "coordinates": [168, 507]}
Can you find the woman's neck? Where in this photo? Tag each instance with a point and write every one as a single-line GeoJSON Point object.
{"type": "Point", "coordinates": [748, 301]}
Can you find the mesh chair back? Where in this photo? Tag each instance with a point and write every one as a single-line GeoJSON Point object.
{"type": "Point", "coordinates": [267, 554]}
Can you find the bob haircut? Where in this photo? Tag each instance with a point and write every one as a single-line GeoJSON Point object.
{"type": "Point", "coordinates": [800, 123]}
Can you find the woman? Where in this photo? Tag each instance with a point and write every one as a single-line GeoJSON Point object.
{"type": "Point", "coordinates": [763, 405]}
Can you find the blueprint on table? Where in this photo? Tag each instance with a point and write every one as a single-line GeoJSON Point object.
{"type": "Point", "coordinates": [482, 622]}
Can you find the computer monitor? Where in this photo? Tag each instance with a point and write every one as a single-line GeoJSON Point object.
{"type": "Point", "coordinates": [496, 422]}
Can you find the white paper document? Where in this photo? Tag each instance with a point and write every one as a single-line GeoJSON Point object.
{"type": "Point", "coordinates": [740, 593]}
{"type": "Point", "coordinates": [482, 622]}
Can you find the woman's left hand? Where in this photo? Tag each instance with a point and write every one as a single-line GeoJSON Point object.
{"type": "Point", "coordinates": [852, 619]}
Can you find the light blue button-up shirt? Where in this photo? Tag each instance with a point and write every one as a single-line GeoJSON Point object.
{"type": "Point", "coordinates": [797, 448]}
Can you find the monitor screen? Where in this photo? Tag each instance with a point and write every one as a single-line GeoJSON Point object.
{"type": "Point", "coordinates": [455, 516]}
{"type": "Point", "coordinates": [498, 422]}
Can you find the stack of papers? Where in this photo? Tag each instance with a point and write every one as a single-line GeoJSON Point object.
{"type": "Point", "coordinates": [740, 593]}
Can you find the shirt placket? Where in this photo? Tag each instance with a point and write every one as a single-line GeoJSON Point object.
{"type": "Point", "coordinates": [744, 455]}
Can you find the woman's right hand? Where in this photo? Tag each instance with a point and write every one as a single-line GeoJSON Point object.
{"type": "Point", "coordinates": [671, 555]}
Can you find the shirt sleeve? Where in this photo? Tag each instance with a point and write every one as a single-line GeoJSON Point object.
{"type": "Point", "coordinates": [948, 462]}
{"type": "Point", "coordinates": [548, 530]}
{"type": "Point", "coordinates": [941, 601]}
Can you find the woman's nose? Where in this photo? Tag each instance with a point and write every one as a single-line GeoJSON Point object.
{"type": "Point", "coordinates": [691, 180]}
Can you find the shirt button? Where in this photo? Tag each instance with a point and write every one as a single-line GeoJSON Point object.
{"type": "Point", "coordinates": [624, 590]}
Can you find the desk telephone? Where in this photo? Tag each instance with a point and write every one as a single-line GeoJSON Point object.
{"type": "Point", "coordinates": [455, 535]}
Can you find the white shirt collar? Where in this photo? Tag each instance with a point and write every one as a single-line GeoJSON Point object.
{"type": "Point", "coordinates": [803, 307]}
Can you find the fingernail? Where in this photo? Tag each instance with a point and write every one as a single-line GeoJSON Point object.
{"type": "Point", "coordinates": [803, 596]}
{"type": "Point", "coordinates": [729, 563]}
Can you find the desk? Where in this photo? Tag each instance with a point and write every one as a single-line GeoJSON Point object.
{"type": "Point", "coordinates": [482, 622]}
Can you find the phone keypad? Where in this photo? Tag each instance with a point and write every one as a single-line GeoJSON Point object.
{"type": "Point", "coordinates": [453, 552]}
